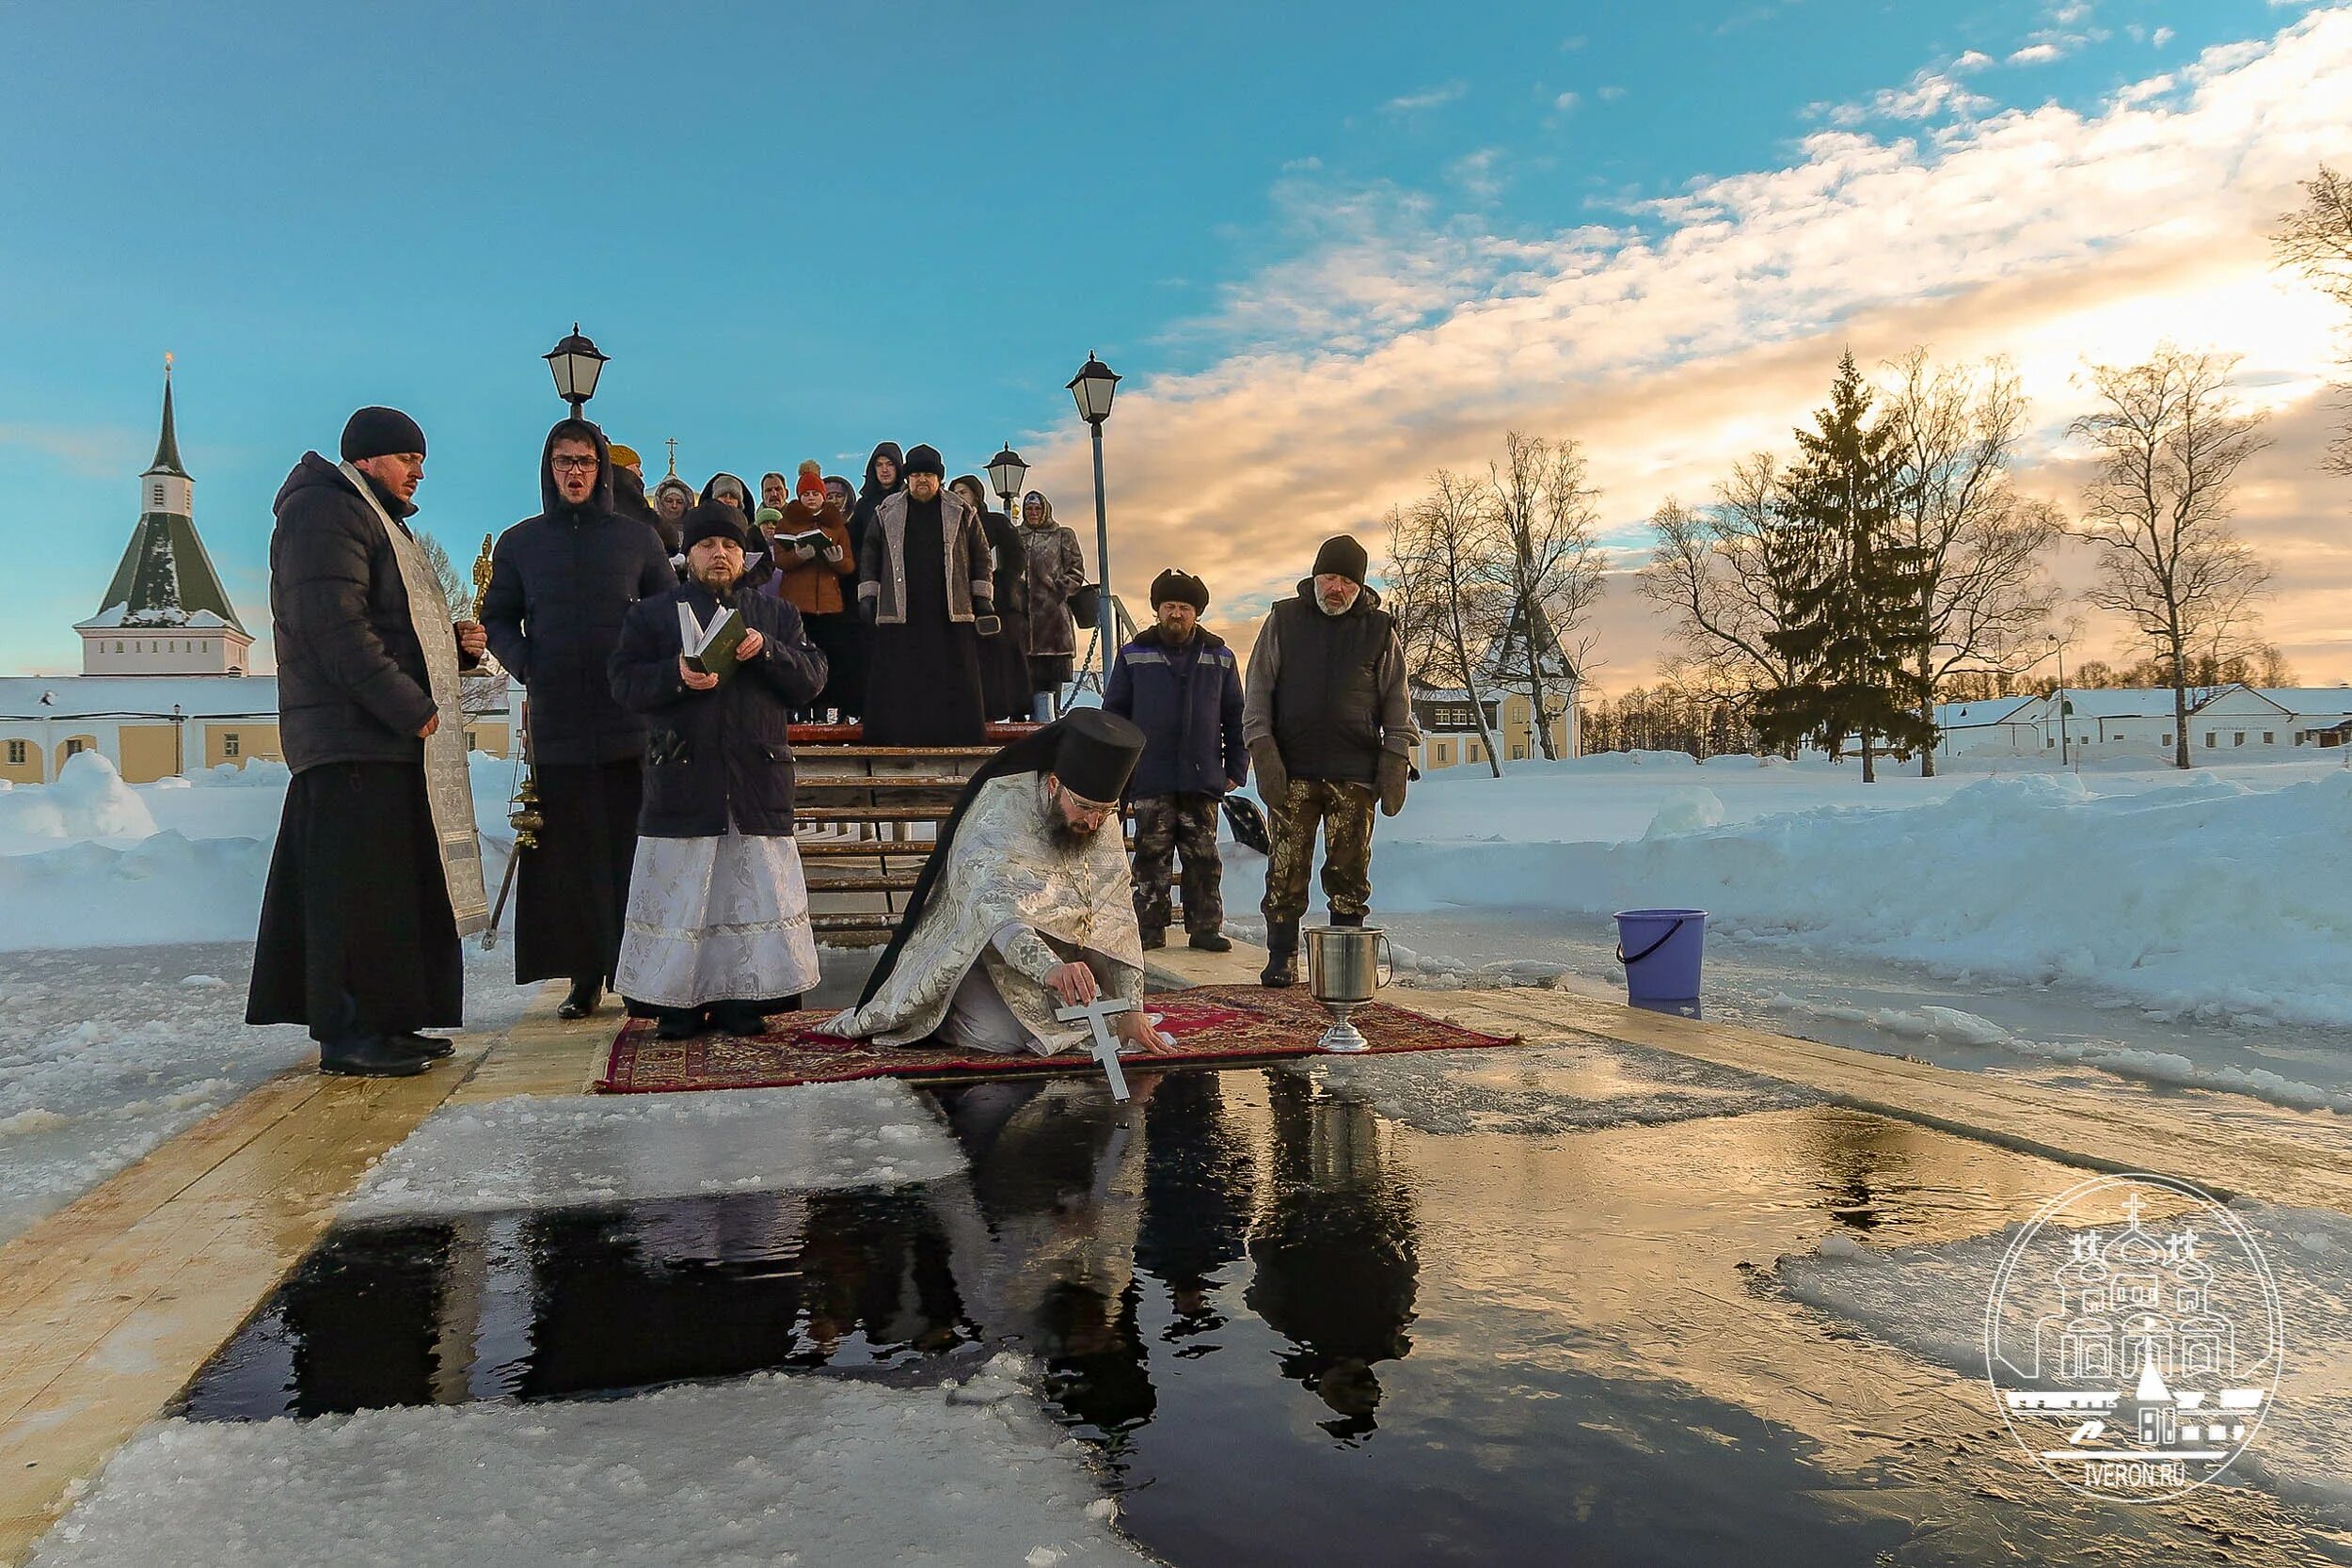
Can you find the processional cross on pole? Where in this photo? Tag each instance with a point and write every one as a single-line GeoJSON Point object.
{"type": "Point", "coordinates": [1097, 1015]}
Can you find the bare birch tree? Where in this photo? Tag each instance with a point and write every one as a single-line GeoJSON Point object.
{"type": "Point", "coordinates": [2316, 239]}
{"type": "Point", "coordinates": [1984, 595]}
{"type": "Point", "coordinates": [1722, 573]}
{"type": "Point", "coordinates": [2168, 439]}
{"type": "Point", "coordinates": [1446, 549]}
{"type": "Point", "coordinates": [1554, 570]}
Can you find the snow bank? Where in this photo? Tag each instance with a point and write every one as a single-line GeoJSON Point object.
{"type": "Point", "coordinates": [87, 800]}
{"type": "Point", "coordinates": [1931, 1301]}
{"type": "Point", "coordinates": [541, 1151]}
{"type": "Point", "coordinates": [258, 773]}
{"type": "Point", "coordinates": [167, 888]}
{"type": "Point", "coordinates": [776, 1470]}
{"type": "Point", "coordinates": [2202, 895]}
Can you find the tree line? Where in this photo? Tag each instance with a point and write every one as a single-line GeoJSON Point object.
{"type": "Point", "coordinates": [1833, 595]}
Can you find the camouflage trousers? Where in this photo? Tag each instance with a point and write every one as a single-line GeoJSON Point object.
{"type": "Point", "coordinates": [1344, 811]}
{"type": "Point", "coordinates": [1167, 826]}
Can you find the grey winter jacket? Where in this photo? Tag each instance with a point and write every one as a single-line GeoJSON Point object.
{"type": "Point", "coordinates": [881, 563]}
{"type": "Point", "coordinates": [1056, 570]}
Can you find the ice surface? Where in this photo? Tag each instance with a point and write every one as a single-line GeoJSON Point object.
{"type": "Point", "coordinates": [1552, 1089]}
{"type": "Point", "coordinates": [804, 1470]}
{"type": "Point", "coordinates": [545, 1151]}
{"type": "Point", "coordinates": [1930, 1299]}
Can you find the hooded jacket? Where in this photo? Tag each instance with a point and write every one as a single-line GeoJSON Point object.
{"type": "Point", "coordinates": [352, 685]}
{"type": "Point", "coordinates": [1330, 689]}
{"type": "Point", "coordinates": [1055, 571]}
{"type": "Point", "coordinates": [560, 584]}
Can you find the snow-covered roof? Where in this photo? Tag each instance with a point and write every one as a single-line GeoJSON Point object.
{"type": "Point", "coordinates": [1969, 716]}
{"type": "Point", "coordinates": [138, 696]}
{"type": "Point", "coordinates": [2316, 701]}
{"type": "Point", "coordinates": [119, 616]}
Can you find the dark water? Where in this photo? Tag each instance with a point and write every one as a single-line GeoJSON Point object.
{"type": "Point", "coordinates": [1293, 1326]}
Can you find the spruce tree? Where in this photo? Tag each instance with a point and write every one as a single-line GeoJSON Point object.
{"type": "Point", "coordinates": [1854, 593]}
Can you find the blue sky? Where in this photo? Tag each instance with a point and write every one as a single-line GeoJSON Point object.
{"type": "Point", "coordinates": [806, 229]}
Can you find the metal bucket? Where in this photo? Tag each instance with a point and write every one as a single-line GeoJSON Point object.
{"type": "Point", "coordinates": [1344, 970]}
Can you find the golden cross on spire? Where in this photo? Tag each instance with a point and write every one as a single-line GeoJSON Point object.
{"type": "Point", "coordinates": [672, 444]}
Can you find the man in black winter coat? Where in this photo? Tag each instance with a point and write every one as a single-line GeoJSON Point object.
{"type": "Point", "coordinates": [718, 930]}
{"type": "Point", "coordinates": [360, 918]}
{"type": "Point", "coordinates": [560, 584]}
{"type": "Point", "coordinates": [1182, 686]}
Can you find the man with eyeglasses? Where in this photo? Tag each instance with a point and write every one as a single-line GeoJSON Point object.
{"type": "Point", "coordinates": [560, 584]}
{"type": "Point", "coordinates": [1022, 908]}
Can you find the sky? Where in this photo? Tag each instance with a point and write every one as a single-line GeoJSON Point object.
{"type": "Point", "coordinates": [1330, 249]}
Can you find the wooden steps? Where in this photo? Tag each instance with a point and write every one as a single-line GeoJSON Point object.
{"type": "Point", "coordinates": [878, 782]}
{"type": "Point", "coordinates": [898, 814]}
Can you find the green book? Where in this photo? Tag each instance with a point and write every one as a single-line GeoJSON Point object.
{"type": "Point", "coordinates": [711, 649]}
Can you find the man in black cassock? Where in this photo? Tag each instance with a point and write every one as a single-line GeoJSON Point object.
{"type": "Point", "coordinates": [560, 584]}
{"type": "Point", "coordinates": [926, 590]}
{"type": "Point", "coordinates": [376, 872]}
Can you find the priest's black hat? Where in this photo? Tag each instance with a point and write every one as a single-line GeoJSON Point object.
{"type": "Point", "coordinates": [712, 520]}
{"type": "Point", "coordinates": [1098, 751]}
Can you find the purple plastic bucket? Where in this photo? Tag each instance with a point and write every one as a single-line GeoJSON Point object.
{"type": "Point", "coordinates": [1660, 951]}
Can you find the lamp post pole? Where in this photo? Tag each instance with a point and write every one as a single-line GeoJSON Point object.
{"type": "Point", "coordinates": [1093, 387]}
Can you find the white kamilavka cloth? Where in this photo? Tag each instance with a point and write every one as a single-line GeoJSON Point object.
{"type": "Point", "coordinates": [716, 920]}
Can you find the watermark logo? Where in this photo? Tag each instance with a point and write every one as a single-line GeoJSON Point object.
{"type": "Point", "coordinates": [2134, 1338]}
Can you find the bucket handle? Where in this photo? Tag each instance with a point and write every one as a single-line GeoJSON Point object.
{"type": "Point", "coordinates": [1384, 958]}
{"type": "Point", "coordinates": [1653, 947]}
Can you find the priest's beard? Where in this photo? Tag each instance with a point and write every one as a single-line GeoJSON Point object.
{"type": "Point", "coordinates": [1068, 836]}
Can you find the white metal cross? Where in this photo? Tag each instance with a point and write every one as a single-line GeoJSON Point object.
{"type": "Point", "coordinates": [1097, 1015]}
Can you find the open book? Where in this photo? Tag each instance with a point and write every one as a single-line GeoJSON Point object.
{"type": "Point", "coordinates": [813, 539]}
{"type": "Point", "coordinates": [711, 649]}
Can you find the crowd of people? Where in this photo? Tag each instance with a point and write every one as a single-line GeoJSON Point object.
{"type": "Point", "coordinates": [667, 868]}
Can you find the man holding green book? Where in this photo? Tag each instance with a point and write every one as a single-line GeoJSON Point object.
{"type": "Point", "coordinates": [718, 932]}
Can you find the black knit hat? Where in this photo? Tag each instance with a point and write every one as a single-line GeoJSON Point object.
{"type": "Point", "coordinates": [924, 460]}
{"type": "Point", "coordinates": [1183, 587]}
{"type": "Point", "coordinates": [1098, 751]}
{"type": "Point", "coordinates": [1340, 556]}
{"type": "Point", "coordinates": [712, 520]}
{"type": "Point", "coordinates": [380, 432]}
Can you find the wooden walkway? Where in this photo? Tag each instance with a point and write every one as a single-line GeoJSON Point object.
{"type": "Point", "coordinates": [109, 1307]}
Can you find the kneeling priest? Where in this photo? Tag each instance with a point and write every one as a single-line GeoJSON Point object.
{"type": "Point", "coordinates": [1024, 907]}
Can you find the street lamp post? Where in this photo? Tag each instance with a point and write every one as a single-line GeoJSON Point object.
{"type": "Point", "coordinates": [575, 364]}
{"type": "Point", "coordinates": [1094, 386]}
{"type": "Point", "coordinates": [2057, 645]}
{"type": "Point", "coordinates": [1006, 471]}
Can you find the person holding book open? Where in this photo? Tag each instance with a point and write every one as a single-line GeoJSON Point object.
{"type": "Point", "coordinates": [809, 542]}
{"type": "Point", "coordinates": [718, 932]}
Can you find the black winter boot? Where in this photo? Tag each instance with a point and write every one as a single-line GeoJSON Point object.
{"type": "Point", "coordinates": [1281, 956]}
{"type": "Point", "coordinates": [681, 1024]}
{"type": "Point", "coordinates": [1356, 920]}
{"type": "Point", "coordinates": [371, 1056]}
{"type": "Point", "coordinates": [582, 999]}
{"type": "Point", "coordinates": [1210, 941]}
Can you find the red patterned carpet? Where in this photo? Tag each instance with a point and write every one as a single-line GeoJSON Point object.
{"type": "Point", "coordinates": [1211, 1023]}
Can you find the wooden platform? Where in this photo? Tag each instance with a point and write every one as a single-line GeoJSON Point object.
{"type": "Point", "coordinates": [109, 1306]}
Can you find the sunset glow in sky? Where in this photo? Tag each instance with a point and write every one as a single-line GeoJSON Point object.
{"type": "Point", "coordinates": [1330, 249]}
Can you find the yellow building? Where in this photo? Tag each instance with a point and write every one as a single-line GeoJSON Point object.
{"type": "Point", "coordinates": [1450, 734]}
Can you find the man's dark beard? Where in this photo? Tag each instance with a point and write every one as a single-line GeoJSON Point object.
{"type": "Point", "coordinates": [725, 595]}
{"type": "Point", "coordinates": [1069, 836]}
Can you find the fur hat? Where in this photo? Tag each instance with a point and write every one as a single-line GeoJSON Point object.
{"type": "Point", "coordinates": [812, 480]}
{"type": "Point", "coordinates": [924, 459]}
{"type": "Point", "coordinates": [1183, 587]}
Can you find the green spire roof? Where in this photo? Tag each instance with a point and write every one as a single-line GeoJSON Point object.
{"type": "Point", "coordinates": [167, 444]}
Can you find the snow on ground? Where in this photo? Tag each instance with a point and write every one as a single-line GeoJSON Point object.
{"type": "Point", "coordinates": [776, 1470]}
{"type": "Point", "coordinates": [551, 1151]}
{"type": "Point", "coordinates": [1931, 1301]}
{"type": "Point", "coordinates": [2226, 893]}
{"type": "Point", "coordinates": [91, 861]}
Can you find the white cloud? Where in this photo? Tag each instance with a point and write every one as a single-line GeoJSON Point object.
{"type": "Point", "coordinates": [1403, 338]}
{"type": "Point", "coordinates": [2036, 54]}
{"type": "Point", "coordinates": [1429, 98]}
{"type": "Point", "coordinates": [2161, 36]}
{"type": "Point", "coordinates": [1476, 173]}
{"type": "Point", "coordinates": [1975, 59]}
{"type": "Point", "coordinates": [1612, 93]}
{"type": "Point", "coordinates": [1566, 101]}
{"type": "Point", "coordinates": [1929, 95]}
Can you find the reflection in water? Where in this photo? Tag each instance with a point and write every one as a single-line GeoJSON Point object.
{"type": "Point", "coordinates": [1333, 1252]}
{"type": "Point", "coordinates": [1234, 1283]}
